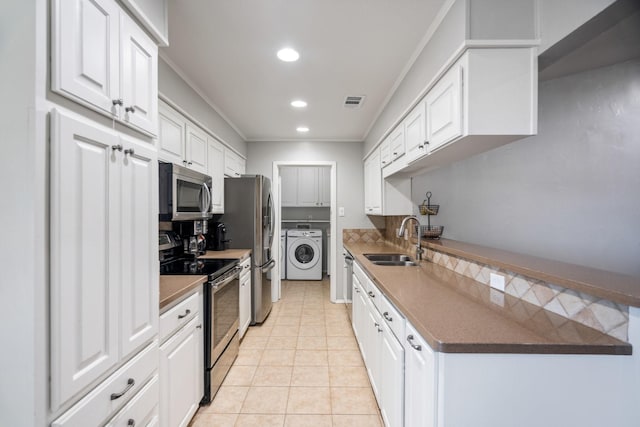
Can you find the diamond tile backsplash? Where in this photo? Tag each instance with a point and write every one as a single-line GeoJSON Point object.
{"type": "Point", "coordinates": [602, 315]}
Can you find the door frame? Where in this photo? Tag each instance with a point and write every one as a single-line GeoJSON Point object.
{"type": "Point", "coordinates": [276, 283]}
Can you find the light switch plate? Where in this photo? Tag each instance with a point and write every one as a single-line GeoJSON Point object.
{"type": "Point", "coordinates": [341, 211]}
{"type": "Point", "coordinates": [497, 281]}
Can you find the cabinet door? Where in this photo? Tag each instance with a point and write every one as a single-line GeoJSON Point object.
{"type": "Point", "coordinates": [307, 186]}
{"type": "Point", "coordinates": [414, 133]}
{"type": "Point", "coordinates": [85, 49]}
{"type": "Point", "coordinates": [138, 246]}
{"type": "Point", "coordinates": [373, 184]}
{"type": "Point", "coordinates": [372, 338]}
{"type": "Point", "coordinates": [171, 135]}
{"type": "Point", "coordinates": [215, 168]}
{"type": "Point", "coordinates": [385, 152]}
{"type": "Point", "coordinates": [242, 166]}
{"type": "Point", "coordinates": [444, 109]}
{"type": "Point", "coordinates": [357, 308]}
{"type": "Point", "coordinates": [245, 303]}
{"type": "Point", "coordinates": [139, 80]}
{"type": "Point", "coordinates": [419, 381]}
{"type": "Point", "coordinates": [289, 185]}
{"type": "Point", "coordinates": [196, 148]}
{"type": "Point", "coordinates": [84, 254]}
{"type": "Point", "coordinates": [391, 379]}
{"type": "Point", "coordinates": [324, 186]}
{"type": "Point", "coordinates": [231, 164]}
{"type": "Point", "coordinates": [180, 375]}
{"type": "Point", "coordinates": [396, 141]}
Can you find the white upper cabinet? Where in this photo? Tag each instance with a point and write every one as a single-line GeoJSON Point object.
{"type": "Point", "coordinates": [308, 186]}
{"type": "Point", "coordinates": [372, 185]}
{"type": "Point", "coordinates": [215, 167]}
{"type": "Point", "coordinates": [324, 186]}
{"type": "Point", "coordinates": [234, 165]}
{"type": "Point", "coordinates": [172, 135]}
{"type": "Point", "coordinates": [444, 109]}
{"type": "Point", "coordinates": [414, 131]}
{"type": "Point", "coordinates": [101, 59]}
{"type": "Point", "coordinates": [385, 152]}
{"type": "Point", "coordinates": [153, 15]}
{"type": "Point", "coordinates": [385, 196]}
{"type": "Point", "coordinates": [396, 143]}
{"type": "Point", "coordinates": [196, 148]}
{"type": "Point", "coordinates": [289, 186]}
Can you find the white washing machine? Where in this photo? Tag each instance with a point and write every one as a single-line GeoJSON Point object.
{"type": "Point", "coordinates": [283, 256]}
{"type": "Point", "coordinates": [304, 255]}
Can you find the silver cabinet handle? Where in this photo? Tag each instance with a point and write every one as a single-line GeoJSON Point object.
{"type": "Point", "coordinates": [130, 383]}
{"type": "Point", "coordinates": [186, 313]}
{"type": "Point", "coordinates": [386, 316]}
{"type": "Point", "coordinates": [377, 325]}
{"type": "Point", "coordinates": [117, 102]}
{"type": "Point", "coordinates": [116, 147]}
{"type": "Point", "coordinates": [189, 163]}
{"type": "Point", "coordinates": [415, 346]}
{"type": "Point", "coordinates": [384, 161]}
{"type": "Point", "coordinates": [199, 326]}
{"type": "Point", "coordinates": [395, 154]}
{"type": "Point", "coordinates": [184, 162]}
{"type": "Point", "coordinates": [421, 146]}
{"type": "Point", "coordinates": [130, 109]}
{"type": "Point", "coordinates": [357, 290]}
{"type": "Point", "coordinates": [371, 294]}
{"type": "Point", "coordinates": [131, 422]}
{"type": "Point", "coordinates": [130, 151]}
{"type": "Point", "coordinates": [426, 142]}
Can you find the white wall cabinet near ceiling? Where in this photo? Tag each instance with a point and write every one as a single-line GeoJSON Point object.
{"type": "Point", "coordinates": [443, 106]}
{"type": "Point", "coordinates": [180, 141]}
{"type": "Point", "coordinates": [181, 360]}
{"type": "Point", "coordinates": [414, 130]}
{"type": "Point", "coordinates": [234, 165]}
{"type": "Point", "coordinates": [215, 168]}
{"type": "Point", "coordinates": [373, 185]}
{"type": "Point", "coordinates": [306, 186]}
{"type": "Point", "coordinates": [385, 196]}
{"type": "Point", "coordinates": [103, 60]}
{"type": "Point", "coordinates": [104, 268]}
{"type": "Point", "coordinates": [153, 15]}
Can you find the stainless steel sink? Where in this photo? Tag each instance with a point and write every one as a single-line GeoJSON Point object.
{"type": "Point", "coordinates": [391, 259]}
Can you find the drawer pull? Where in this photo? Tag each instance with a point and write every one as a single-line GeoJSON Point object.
{"type": "Point", "coordinates": [131, 422]}
{"type": "Point", "coordinates": [130, 383]}
{"type": "Point", "coordinates": [415, 346]}
{"type": "Point", "coordinates": [386, 316]}
{"type": "Point", "coordinates": [371, 294]}
{"type": "Point", "coordinates": [186, 313]}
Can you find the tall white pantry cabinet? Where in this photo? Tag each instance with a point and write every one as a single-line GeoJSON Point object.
{"type": "Point", "coordinates": [103, 309]}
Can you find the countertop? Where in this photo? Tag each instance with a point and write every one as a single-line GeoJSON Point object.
{"type": "Point", "coordinates": [455, 314]}
{"type": "Point", "coordinates": [173, 287]}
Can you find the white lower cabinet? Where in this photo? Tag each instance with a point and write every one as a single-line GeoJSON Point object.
{"type": "Point", "coordinates": [181, 361]}
{"type": "Point", "coordinates": [142, 410]}
{"type": "Point", "coordinates": [245, 296]}
{"type": "Point", "coordinates": [391, 378]}
{"type": "Point", "coordinates": [420, 381]}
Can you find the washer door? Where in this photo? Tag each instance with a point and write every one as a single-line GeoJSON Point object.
{"type": "Point", "coordinates": [304, 253]}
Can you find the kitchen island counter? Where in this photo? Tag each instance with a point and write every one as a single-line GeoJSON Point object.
{"type": "Point", "coordinates": [456, 314]}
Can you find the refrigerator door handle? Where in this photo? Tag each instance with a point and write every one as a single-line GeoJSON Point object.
{"type": "Point", "coordinates": [268, 266]}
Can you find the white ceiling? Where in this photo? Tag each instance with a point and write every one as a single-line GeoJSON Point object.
{"type": "Point", "coordinates": [226, 49]}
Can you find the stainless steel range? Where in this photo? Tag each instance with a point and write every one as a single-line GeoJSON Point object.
{"type": "Point", "coordinates": [221, 307]}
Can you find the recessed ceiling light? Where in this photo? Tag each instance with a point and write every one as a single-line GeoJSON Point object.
{"type": "Point", "coordinates": [288, 55]}
{"type": "Point", "coordinates": [298, 103]}
{"type": "Point", "coordinates": [302, 129]}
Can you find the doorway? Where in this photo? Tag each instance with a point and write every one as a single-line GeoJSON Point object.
{"type": "Point", "coordinates": [278, 168]}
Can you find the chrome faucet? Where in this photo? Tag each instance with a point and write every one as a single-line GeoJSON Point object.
{"type": "Point", "coordinates": [419, 250]}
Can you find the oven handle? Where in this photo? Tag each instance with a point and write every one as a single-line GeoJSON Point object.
{"type": "Point", "coordinates": [216, 286]}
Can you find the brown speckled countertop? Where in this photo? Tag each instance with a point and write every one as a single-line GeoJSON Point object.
{"type": "Point", "coordinates": [603, 284]}
{"type": "Point", "coordinates": [455, 314]}
{"type": "Point", "coordinates": [227, 254]}
{"type": "Point", "coordinates": [172, 288]}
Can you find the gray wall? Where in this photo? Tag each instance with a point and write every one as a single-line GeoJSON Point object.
{"type": "Point", "coordinates": [571, 192]}
{"type": "Point", "coordinates": [179, 92]}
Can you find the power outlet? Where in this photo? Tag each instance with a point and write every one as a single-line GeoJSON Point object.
{"type": "Point", "coordinates": [496, 281]}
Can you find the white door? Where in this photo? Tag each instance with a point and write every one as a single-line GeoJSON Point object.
{"type": "Point", "coordinates": [420, 381]}
{"type": "Point", "coordinates": [85, 52]}
{"type": "Point", "coordinates": [396, 141]}
{"type": "Point", "coordinates": [391, 378]}
{"type": "Point", "coordinates": [139, 62]}
{"type": "Point", "coordinates": [444, 109]}
{"type": "Point", "coordinates": [307, 186]}
{"type": "Point", "coordinates": [85, 169]}
{"type": "Point", "coordinates": [324, 186]}
{"type": "Point", "coordinates": [414, 130]}
{"type": "Point", "coordinates": [181, 370]}
{"type": "Point", "coordinates": [289, 186]}
{"type": "Point", "coordinates": [215, 167]}
{"type": "Point", "coordinates": [196, 148]}
{"type": "Point", "coordinates": [171, 135]}
{"type": "Point", "coordinates": [138, 245]}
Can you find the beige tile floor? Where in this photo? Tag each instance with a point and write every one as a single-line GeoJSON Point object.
{"type": "Point", "coordinates": [300, 368]}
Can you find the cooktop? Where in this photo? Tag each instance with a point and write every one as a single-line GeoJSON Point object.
{"type": "Point", "coordinates": [201, 267]}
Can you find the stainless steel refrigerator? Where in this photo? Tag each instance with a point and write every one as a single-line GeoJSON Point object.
{"type": "Point", "coordinates": [248, 216]}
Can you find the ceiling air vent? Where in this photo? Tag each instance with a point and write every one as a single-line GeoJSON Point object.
{"type": "Point", "coordinates": [353, 101]}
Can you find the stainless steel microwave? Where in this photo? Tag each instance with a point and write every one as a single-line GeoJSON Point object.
{"type": "Point", "coordinates": [185, 194]}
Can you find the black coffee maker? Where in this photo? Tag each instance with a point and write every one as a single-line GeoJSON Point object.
{"type": "Point", "coordinates": [217, 239]}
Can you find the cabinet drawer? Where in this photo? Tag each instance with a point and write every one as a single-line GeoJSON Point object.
{"type": "Point", "coordinates": [392, 317]}
{"type": "Point", "coordinates": [178, 316]}
{"type": "Point", "coordinates": [142, 410]}
{"type": "Point", "coordinates": [374, 294]}
{"type": "Point", "coordinates": [246, 267]}
{"type": "Point", "coordinates": [98, 406]}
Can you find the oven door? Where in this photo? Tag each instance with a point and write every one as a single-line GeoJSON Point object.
{"type": "Point", "coordinates": [224, 303]}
